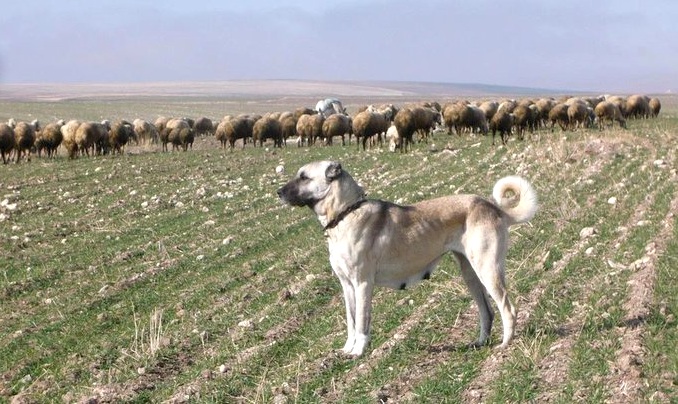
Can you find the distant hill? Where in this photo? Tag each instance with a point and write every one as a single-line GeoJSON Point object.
{"type": "Point", "coordinates": [260, 88]}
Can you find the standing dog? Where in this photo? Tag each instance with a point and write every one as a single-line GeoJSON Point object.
{"type": "Point", "coordinates": [374, 242]}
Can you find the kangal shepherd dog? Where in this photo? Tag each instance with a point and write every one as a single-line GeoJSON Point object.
{"type": "Point", "coordinates": [374, 242]}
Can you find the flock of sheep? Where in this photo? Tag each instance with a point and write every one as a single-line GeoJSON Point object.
{"type": "Point", "coordinates": [401, 127]}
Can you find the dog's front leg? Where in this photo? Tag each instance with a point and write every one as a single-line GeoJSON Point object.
{"type": "Point", "coordinates": [349, 301]}
{"type": "Point", "coordinates": [363, 314]}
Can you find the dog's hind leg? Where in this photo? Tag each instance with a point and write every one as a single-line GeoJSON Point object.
{"type": "Point", "coordinates": [489, 267]}
{"type": "Point", "coordinates": [479, 295]}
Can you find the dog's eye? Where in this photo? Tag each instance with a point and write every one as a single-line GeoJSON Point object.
{"type": "Point", "coordinates": [303, 176]}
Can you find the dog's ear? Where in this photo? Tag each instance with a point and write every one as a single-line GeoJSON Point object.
{"type": "Point", "coordinates": [333, 171]}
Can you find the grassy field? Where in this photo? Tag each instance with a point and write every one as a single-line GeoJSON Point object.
{"type": "Point", "coordinates": [179, 277]}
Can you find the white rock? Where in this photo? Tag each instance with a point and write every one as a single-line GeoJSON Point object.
{"type": "Point", "coordinates": [612, 201]}
{"type": "Point", "coordinates": [223, 369]}
{"type": "Point", "coordinates": [587, 232]}
{"type": "Point", "coordinates": [280, 169]}
{"type": "Point", "coordinates": [589, 251]}
{"type": "Point", "coordinates": [245, 324]}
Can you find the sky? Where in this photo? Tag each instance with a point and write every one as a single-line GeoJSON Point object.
{"type": "Point", "coordinates": [602, 46]}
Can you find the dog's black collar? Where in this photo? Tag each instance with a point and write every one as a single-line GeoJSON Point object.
{"type": "Point", "coordinates": [334, 222]}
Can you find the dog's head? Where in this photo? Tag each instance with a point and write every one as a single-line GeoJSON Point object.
{"type": "Point", "coordinates": [323, 186]}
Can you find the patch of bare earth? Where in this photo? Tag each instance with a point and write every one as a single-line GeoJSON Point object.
{"type": "Point", "coordinates": [625, 379]}
{"type": "Point", "coordinates": [553, 367]}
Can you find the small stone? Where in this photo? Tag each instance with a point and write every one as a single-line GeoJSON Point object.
{"type": "Point", "coordinates": [245, 324]}
{"type": "Point", "coordinates": [612, 201]}
{"type": "Point", "coordinates": [587, 232]}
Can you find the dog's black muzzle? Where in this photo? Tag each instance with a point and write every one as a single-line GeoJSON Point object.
{"type": "Point", "coordinates": [291, 195]}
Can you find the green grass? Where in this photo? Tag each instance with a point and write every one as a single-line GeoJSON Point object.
{"type": "Point", "coordinates": [97, 245]}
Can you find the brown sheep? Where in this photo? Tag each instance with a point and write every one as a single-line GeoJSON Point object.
{"type": "Point", "coordinates": [388, 110]}
{"type": "Point", "coordinates": [479, 121]}
{"type": "Point", "coordinates": [119, 135]}
{"type": "Point", "coordinates": [7, 142]}
{"type": "Point", "coordinates": [288, 126]}
{"type": "Point", "coordinates": [86, 137]}
{"type": "Point", "coordinates": [404, 124]}
{"type": "Point", "coordinates": [620, 102]}
{"type": "Point", "coordinates": [655, 106]}
{"type": "Point", "coordinates": [309, 127]}
{"type": "Point", "coordinates": [502, 121]}
{"type": "Point", "coordinates": [577, 115]}
{"type": "Point", "coordinates": [102, 143]}
{"type": "Point", "coordinates": [457, 116]}
{"type": "Point", "coordinates": [303, 111]}
{"type": "Point", "coordinates": [49, 138]}
{"type": "Point", "coordinates": [525, 102]}
{"type": "Point", "coordinates": [203, 126]}
{"type": "Point", "coordinates": [558, 115]}
{"type": "Point", "coordinates": [638, 106]}
{"type": "Point", "coordinates": [337, 125]}
{"type": "Point", "coordinates": [507, 106]}
{"type": "Point", "coordinates": [425, 120]}
{"type": "Point", "coordinates": [267, 128]}
{"type": "Point", "coordinates": [607, 111]}
{"type": "Point", "coordinates": [367, 124]}
{"type": "Point", "coordinates": [68, 132]}
{"type": "Point", "coordinates": [145, 131]}
{"type": "Point", "coordinates": [489, 108]}
{"type": "Point", "coordinates": [239, 128]}
{"type": "Point", "coordinates": [181, 136]}
{"type": "Point", "coordinates": [522, 116]}
{"type": "Point", "coordinates": [593, 101]}
{"type": "Point", "coordinates": [220, 132]}
{"type": "Point", "coordinates": [24, 138]}
{"type": "Point", "coordinates": [544, 106]}
{"type": "Point", "coordinates": [160, 123]}
{"type": "Point", "coordinates": [167, 129]}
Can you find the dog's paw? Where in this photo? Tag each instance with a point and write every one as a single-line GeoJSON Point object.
{"type": "Point", "coordinates": [341, 354]}
{"type": "Point", "coordinates": [501, 346]}
{"type": "Point", "coordinates": [477, 344]}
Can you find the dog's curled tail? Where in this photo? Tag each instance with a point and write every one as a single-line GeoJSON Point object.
{"type": "Point", "coordinates": [516, 197]}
